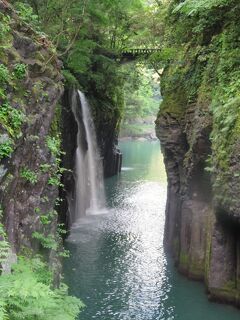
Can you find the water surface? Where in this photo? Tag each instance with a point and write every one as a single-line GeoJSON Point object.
{"type": "Point", "coordinates": [118, 266]}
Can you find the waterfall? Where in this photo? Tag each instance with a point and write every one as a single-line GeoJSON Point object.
{"type": "Point", "coordinates": [89, 185]}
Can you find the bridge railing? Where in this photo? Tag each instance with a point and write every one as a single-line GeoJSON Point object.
{"type": "Point", "coordinates": [139, 51]}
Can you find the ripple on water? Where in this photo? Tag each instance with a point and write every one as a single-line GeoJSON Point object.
{"type": "Point", "coordinates": [118, 266]}
{"type": "Point", "coordinates": [126, 247]}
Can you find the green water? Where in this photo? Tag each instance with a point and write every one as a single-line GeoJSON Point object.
{"type": "Point", "coordinates": [118, 266]}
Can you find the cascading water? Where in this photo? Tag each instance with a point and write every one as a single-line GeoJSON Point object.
{"type": "Point", "coordinates": [89, 191]}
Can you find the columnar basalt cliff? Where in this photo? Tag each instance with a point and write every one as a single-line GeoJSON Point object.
{"type": "Point", "coordinates": [107, 114]}
{"type": "Point", "coordinates": [198, 127]}
{"type": "Point", "coordinates": [31, 86]}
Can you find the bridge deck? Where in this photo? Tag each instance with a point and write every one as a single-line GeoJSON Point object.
{"type": "Point", "coordinates": [139, 51]}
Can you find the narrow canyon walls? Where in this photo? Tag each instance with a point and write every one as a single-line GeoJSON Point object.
{"type": "Point", "coordinates": [198, 127]}
{"type": "Point", "coordinates": [31, 86]}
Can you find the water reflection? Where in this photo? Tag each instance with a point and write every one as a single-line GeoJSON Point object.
{"type": "Point", "coordinates": [118, 266]}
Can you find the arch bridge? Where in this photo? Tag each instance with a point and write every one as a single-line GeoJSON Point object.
{"type": "Point", "coordinates": [132, 54]}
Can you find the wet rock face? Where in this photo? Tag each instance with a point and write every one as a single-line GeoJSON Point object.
{"type": "Point", "coordinates": [201, 232]}
{"type": "Point", "coordinates": [230, 202]}
{"type": "Point", "coordinates": [69, 132]}
{"type": "Point", "coordinates": [31, 94]}
{"type": "Point", "coordinates": [112, 157]}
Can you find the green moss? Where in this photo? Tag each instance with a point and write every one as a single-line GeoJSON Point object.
{"type": "Point", "coordinates": [204, 74]}
{"type": "Point", "coordinates": [184, 260]}
{"type": "Point", "coordinates": [176, 246]}
{"type": "Point", "coordinates": [174, 104]}
{"type": "Point", "coordinates": [225, 135]}
{"type": "Point", "coordinates": [227, 295]}
{"type": "Point", "coordinates": [196, 268]}
{"type": "Point", "coordinates": [56, 123]}
{"type": "Point", "coordinates": [229, 285]}
{"type": "Point", "coordinates": [209, 224]}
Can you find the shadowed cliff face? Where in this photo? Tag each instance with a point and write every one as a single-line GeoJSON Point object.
{"type": "Point", "coordinates": [107, 133]}
{"type": "Point", "coordinates": [201, 233]}
{"type": "Point", "coordinates": [29, 97]}
{"type": "Point", "coordinates": [106, 110]}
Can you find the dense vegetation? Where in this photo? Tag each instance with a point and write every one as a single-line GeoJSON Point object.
{"type": "Point", "coordinates": [202, 45]}
{"type": "Point", "coordinates": [199, 44]}
{"type": "Point", "coordinates": [87, 36]}
{"type": "Point", "coordinates": [141, 97]}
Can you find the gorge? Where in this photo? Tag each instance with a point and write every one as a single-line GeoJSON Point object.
{"type": "Point", "coordinates": [69, 77]}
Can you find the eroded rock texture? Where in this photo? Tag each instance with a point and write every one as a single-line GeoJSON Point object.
{"type": "Point", "coordinates": [30, 90]}
{"type": "Point", "coordinates": [199, 129]}
{"type": "Point", "coordinates": [201, 232]}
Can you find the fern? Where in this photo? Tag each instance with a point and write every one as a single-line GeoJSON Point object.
{"type": "Point", "coordinates": [27, 294]}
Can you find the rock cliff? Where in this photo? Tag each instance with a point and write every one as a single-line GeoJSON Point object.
{"type": "Point", "coordinates": [31, 86]}
{"type": "Point", "coordinates": [198, 127]}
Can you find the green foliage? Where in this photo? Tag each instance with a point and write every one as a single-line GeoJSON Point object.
{"type": "Point", "coordinates": [47, 218]}
{"type": "Point", "coordinates": [29, 175]}
{"type": "Point", "coordinates": [54, 145]}
{"type": "Point", "coordinates": [6, 148]}
{"type": "Point", "coordinates": [70, 79]}
{"type": "Point", "coordinates": [20, 70]}
{"type": "Point", "coordinates": [45, 167]}
{"type": "Point", "coordinates": [4, 74]}
{"type": "Point", "coordinates": [204, 72]}
{"type": "Point", "coordinates": [46, 237]}
{"type": "Point", "coordinates": [55, 180]}
{"type": "Point", "coordinates": [4, 245]}
{"type": "Point", "coordinates": [226, 131]}
{"type": "Point", "coordinates": [11, 119]}
{"type": "Point", "coordinates": [4, 26]}
{"type": "Point", "coordinates": [196, 7]}
{"type": "Point", "coordinates": [141, 90]}
{"type": "Point", "coordinates": [88, 44]}
{"type": "Point", "coordinates": [25, 12]}
{"type": "Point", "coordinates": [48, 242]}
{"type": "Point", "coordinates": [27, 294]}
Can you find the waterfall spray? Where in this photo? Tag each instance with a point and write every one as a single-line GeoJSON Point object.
{"type": "Point", "coordinates": [89, 195]}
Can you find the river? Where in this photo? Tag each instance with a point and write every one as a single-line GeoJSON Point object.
{"type": "Point", "coordinates": [118, 266]}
